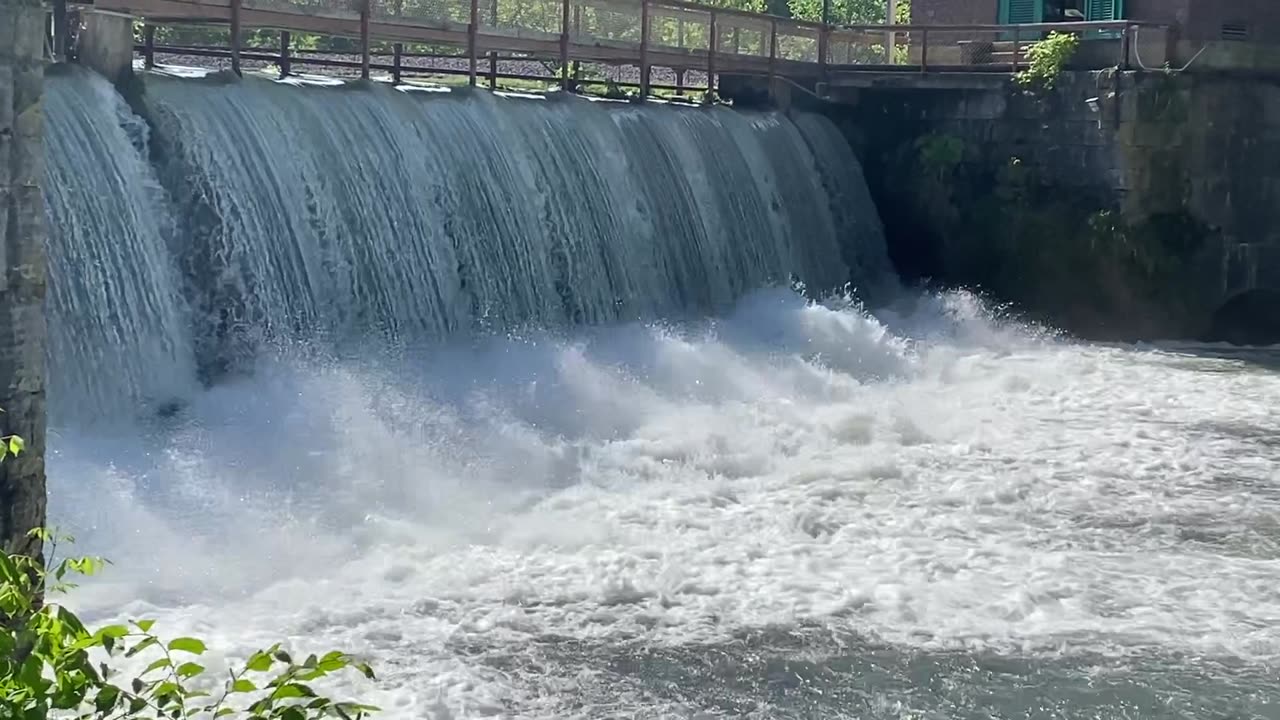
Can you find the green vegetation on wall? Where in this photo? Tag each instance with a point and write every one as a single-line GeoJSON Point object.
{"type": "Point", "coordinates": [1046, 60]}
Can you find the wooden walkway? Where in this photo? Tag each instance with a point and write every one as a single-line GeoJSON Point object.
{"type": "Point", "coordinates": [680, 36]}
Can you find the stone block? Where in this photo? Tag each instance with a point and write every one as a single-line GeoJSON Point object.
{"type": "Point", "coordinates": [28, 34]}
{"type": "Point", "coordinates": [27, 204]}
{"type": "Point", "coordinates": [4, 236]}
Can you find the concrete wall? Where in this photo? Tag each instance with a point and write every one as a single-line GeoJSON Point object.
{"type": "Point", "coordinates": [105, 44]}
{"type": "Point", "coordinates": [1261, 17]}
{"type": "Point", "coordinates": [1118, 205]}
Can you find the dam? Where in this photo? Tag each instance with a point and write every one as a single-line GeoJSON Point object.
{"type": "Point", "coordinates": [559, 407]}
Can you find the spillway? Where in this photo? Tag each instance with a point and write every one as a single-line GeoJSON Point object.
{"type": "Point", "coordinates": [517, 398]}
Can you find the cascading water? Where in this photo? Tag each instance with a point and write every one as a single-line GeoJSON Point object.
{"type": "Point", "coordinates": [119, 333]}
{"type": "Point", "coordinates": [346, 211]}
{"type": "Point", "coordinates": [758, 506]}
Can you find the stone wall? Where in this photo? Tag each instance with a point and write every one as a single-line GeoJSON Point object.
{"type": "Point", "coordinates": [1117, 205]}
{"type": "Point", "coordinates": [22, 270]}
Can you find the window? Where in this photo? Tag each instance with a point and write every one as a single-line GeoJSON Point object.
{"type": "Point", "coordinates": [1098, 10]}
{"type": "Point", "coordinates": [1034, 11]}
{"type": "Point", "coordinates": [1021, 11]}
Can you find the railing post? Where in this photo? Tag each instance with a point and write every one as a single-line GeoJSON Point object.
{"type": "Point", "coordinates": [473, 34]}
{"type": "Point", "coordinates": [364, 38]}
{"type": "Point", "coordinates": [577, 30]}
{"type": "Point", "coordinates": [1017, 47]}
{"type": "Point", "coordinates": [891, 37]}
{"type": "Point", "coordinates": [644, 49]}
{"type": "Point", "coordinates": [235, 36]}
{"type": "Point", "coordinates": [397, 57]}
{"type": "Point", "coordinates": [149, 46]}
{"type": "Point", "coordinates": [1126, 48]}
{"type": "Point", "coordinates": [284, 53]}
{"type": "Point", "coordinates": [60, 30]}
{"type": "Point", "coordinates": [773, 54]}
{"type": "Point", "coordinates": [564, 44]}
{"type": "Point", "coordinates": [924, 50]}
{"type": "Point", "coordinates": [713, 40]}
{"type": "Point", "coordinates": [493, 54]}
{"type": "Point", "coordinates": [824, 40]}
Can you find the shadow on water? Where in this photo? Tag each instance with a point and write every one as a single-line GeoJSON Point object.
{"type": "Point", "coordinates": [814, 673]}
{"type": "Point", "coordinates": [1223, 357]}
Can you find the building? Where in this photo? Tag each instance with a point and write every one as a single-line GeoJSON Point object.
{"type": "Point", "coordinates": [1197, 21]}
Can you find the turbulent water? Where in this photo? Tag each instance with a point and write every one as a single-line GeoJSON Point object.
{"type": "Point", "coordinates": [691, 495]}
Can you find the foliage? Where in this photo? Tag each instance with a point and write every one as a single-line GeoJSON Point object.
{"type": "Point", "coordinates": [939, 155]}
{"type": "Point", "coordinates": [9, 446]}
{"type": "Point", "coordinates": [851, 12]}
{"type": "Point", "coordinates": [47, 662]}
{"type": "Point", "coordinates": [1046, 59]}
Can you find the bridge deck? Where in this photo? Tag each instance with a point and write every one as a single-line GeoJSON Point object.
{"type": "Point", "coordinates": [678, 35]}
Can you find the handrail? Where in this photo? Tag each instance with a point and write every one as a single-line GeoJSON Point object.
{"type": "Point", "coordinates": [774, 44]}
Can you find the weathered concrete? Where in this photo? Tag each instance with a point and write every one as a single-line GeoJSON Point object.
{"type": "Point", "coordinates": [22, 270]}
{"type": "Point", "coordinates": [105, 44]}
{"type": "Point", "coordinates": [1118, 205]}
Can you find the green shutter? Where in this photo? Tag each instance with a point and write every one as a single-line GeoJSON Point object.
{"type": "Point", "coordinates": [1100, 10]}
{"type": "Point", "coordinates": [1022, 11]}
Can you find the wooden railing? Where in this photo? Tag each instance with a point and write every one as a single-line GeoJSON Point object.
{"type": "Point", "coordinates": [687, 41]}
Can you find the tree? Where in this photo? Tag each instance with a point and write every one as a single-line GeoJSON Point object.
{"type": "Point", "coordinates": [22, 272]}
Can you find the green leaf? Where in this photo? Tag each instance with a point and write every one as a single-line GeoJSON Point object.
{"type": "Point", "coordinates": [259, 662]}
{"type": "Point", "coordinates": [144, 625]}
{"type": "Point", "coordinates": [115, 631]}
{"type": "Point", "coordinates": [283, 656]}
{"type": "Point", "coordinates": [106, 699]}
{"type": "Point", "coordinates": [158, 664]}
{"type": "Point", "coordinates": [366, 670]}
{"type": "Point", "coordinates": [223, 712]}
{"type": "Point", "coordinates": [16, 444]}
{"type": "Point", "coordinates": [241, 685]}
{"type": "Point", "coordinates": [148, 642]}
{"type": "Point", "coordinates": [189, 669]}
{"type": "Point", "coordinates": [188, 645]}
{"type": "Point", "coordinates": [294, 690]}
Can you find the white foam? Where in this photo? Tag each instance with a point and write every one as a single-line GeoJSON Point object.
{"type": "Point", "coordinates": [934, 479]}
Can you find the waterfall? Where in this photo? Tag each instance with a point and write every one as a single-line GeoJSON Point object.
{"type": "Point", "coordinates": [119, 335]}
{"type": "Point", "coordinates": [358, 211]}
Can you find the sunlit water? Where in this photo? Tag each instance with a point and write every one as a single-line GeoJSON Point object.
{"type": "Point", "coordinates": [796, 511]}
{"type": "Point", "coordinates": [770, 508]}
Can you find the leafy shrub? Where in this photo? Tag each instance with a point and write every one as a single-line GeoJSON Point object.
{"type": "Point", "coordinates": [1046, 59]}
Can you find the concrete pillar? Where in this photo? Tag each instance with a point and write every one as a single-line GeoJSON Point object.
{"type": "Point", "coordinates": [105, 45]}
{"type": "Point", "coordinates": [22, 270]}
